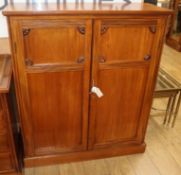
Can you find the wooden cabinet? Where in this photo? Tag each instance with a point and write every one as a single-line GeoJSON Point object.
{"type": "Point", "coordinates": [59, 55]}
{"type": "Point", "coordinates": [9, 163]}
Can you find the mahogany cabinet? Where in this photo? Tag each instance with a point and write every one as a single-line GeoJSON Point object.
{"type": "Point", "coordinates": [9, 163]}
{"type": "Point", "coordinates": [61, 53]}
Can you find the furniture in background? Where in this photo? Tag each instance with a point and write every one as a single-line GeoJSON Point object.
{"type": "Point", "coordinates": [9, 162]}
{"type": "Point", "coordinates": [65, 60]}
{"type": "Point", "coordinates": [173, 38]}
{"type": "Point", "coordinates": [151, 1]}
{"type": "Point", "coordinates": [168, 87]}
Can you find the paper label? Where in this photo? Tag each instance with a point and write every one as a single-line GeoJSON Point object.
{"type": "Point", "coordinates": [97, 91]}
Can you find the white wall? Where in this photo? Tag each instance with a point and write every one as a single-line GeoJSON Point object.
{"type": "Point", "coordinates": [3, 26]}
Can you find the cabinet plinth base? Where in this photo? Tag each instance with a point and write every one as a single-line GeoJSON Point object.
{"type": "Point", "coordinates": [84, 155]}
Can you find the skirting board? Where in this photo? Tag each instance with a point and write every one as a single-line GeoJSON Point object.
{"type": "Point", "coordinates": [84, 155]}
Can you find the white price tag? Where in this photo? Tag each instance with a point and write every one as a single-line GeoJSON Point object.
{"type": "Point", "coordinates": [97, 91]}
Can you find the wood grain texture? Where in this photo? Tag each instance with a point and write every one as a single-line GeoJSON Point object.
{"type": "Point", "coordinates": [112, 120]}
{"type": "Point", "coordinates": [61, 94]}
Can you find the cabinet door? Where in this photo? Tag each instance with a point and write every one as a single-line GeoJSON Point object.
{"type": "Point", "coordinates": [53, 69]}
{"type": "Point", "coordinates": [122, 55]}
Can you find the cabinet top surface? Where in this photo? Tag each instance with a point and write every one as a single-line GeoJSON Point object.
{"type": "Point", "coordinates": [83, 8]}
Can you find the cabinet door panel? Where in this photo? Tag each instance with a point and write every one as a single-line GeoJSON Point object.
{"type": "Point", "coordinates": [56, 110]}
{"type": "Point", "coordinates": [52, 42]}
{"type": "Point", "coordinates": [121, 73]}
{"type": "Point", "coordinates": [118, 111]}
{"type": "Point", "coordinates": [54, 86]}
{"type": "Point", "coordinates": [121, 41]}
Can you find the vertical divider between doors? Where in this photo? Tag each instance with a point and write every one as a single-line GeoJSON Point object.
{"type": "Point", "coordinates": [90, 84]}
